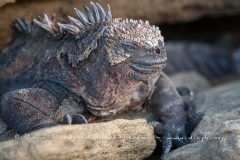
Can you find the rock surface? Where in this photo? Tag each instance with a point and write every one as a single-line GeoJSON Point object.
{"type": "Point", "coordinates": [2, 2]}
{"type": "Point", "coordinates": [190, 79]}
{"type": "Point", "coordinates": [156, 11]}
{"type": "Point", "coordinates": [119, 139]}
{"type": "Point", "coordinates": [220, 104]}
{"type": "Point", "coordinates": [223, 143]}
{"type": "Point", "coordinates": [221, 125]}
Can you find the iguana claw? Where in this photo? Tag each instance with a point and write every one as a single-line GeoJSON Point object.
{"type": "Point", "coordinates": [76, 119]}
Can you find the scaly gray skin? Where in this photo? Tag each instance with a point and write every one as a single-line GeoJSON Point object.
{"type": "Point", "coordinates": [98, 62]}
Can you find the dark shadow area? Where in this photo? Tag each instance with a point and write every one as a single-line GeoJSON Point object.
{"type": "Point", "coordinates": [205, 29]}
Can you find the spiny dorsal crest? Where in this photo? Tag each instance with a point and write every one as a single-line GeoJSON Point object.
{"type": "Point", "coordinates": [77, 26]}
{"type": "Point", "coordinates": [48, 24]}
{"type": "Point", "coordinates": [138, 31]}
{"type": "Point", "coordinates": [90, 27]}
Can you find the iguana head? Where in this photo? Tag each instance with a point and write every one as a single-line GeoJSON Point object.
{"type": "Point", "coordinates": [133, 49]}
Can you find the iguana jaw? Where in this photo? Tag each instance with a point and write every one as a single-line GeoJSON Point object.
{"type": "Point", "coordinates": [148, 65]}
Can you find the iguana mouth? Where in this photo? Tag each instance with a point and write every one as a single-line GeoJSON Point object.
{"type": "Point", "coordinates": [148, 66]}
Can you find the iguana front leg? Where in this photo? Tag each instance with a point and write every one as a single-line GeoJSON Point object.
{"type": "Point", "coordinates": [25, 110]}
{"type": "Point", "coordinates": [167, 106]}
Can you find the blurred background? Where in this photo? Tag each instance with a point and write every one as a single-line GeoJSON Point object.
{"type": "Point", "coordinates": [200, 25]}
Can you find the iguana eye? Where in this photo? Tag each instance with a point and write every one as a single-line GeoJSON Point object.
{"type": "Point", "coordinates": [130, 48]}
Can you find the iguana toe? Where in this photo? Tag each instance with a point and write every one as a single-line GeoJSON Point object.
{"type": "Point", "coordinates": [76, 119]}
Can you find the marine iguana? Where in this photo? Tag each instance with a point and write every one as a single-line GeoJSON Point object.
{"type": "Point", "coordinates": [98, 62]}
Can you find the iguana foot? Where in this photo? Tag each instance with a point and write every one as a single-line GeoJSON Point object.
{"type": "Point", "coordinates": [191, 124]}
{"type": "Point", "coordinates": [173, 133]}
{"type": "Point", "coordinates": [76, 119]}
{"type": "Point", "coordinates": [175, 137]}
